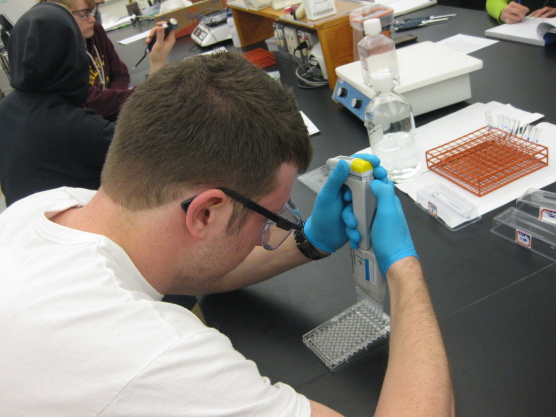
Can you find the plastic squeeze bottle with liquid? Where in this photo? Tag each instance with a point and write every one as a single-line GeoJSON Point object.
{"type": "Point", "coordinates": [391, 129]}
{"type": "Point", "coordinates": [377, 52]}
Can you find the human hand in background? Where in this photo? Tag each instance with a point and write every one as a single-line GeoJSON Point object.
{"type": "Point", "coordinates": [544, 12]}
{"type": "Point", "coordinates": [161, 48]}
{"type": "Point", "coordinates": [513, 13]}
{"type": "Point", "coordinates": [390, 235]}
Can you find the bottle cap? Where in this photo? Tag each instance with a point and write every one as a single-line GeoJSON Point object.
{"type": "Point", "coordinates": [372, 27]}
{"type": "Point", "coordinates": [382, 80]}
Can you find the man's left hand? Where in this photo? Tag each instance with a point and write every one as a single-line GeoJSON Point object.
{"type": "Point", "coordinates": [332, 222]}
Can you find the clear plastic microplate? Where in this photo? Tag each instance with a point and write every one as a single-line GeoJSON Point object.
{"type": "Point", "coordinates": [348, 334]}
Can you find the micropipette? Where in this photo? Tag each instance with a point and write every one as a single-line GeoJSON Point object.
{"type": "Point", "coordinates": [369, 283]}
{"type": "Point", "coordinates": [363, 325]}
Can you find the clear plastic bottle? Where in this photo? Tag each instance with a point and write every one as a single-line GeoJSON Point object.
{"type": "Point", "coordinates": [391, 129]}
{"type": "Point", "coordinates": [377, 52]}
{"type": "Point", "coordinates": [233, 30]}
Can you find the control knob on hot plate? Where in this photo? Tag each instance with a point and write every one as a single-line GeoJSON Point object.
{"type": "Point", "coordinates": [356, 103]}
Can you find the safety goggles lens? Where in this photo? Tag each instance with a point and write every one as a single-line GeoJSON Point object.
{"type": "Point", "coordinates": [83, 14]}
{"type": "Point", "coordinates": [273, 236]}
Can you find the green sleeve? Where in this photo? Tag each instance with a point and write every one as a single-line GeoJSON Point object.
{"type": "Point", "coordinates": [495, 7]}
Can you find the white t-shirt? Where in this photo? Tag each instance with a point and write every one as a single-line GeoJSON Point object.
{"type": "Point", "coordinates": [82, 333]}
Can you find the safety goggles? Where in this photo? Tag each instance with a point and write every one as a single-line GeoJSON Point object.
{"type": "Point", "coordinates": [83, 13]}
{"type": "Point", "coordinates": [278, 225]}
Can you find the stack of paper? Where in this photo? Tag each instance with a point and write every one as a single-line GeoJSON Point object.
{"type": "Point", "coordinates": [531, 30]}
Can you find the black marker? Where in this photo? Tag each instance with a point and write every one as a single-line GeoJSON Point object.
{"type": "Point", "coordinates": [168, 27]}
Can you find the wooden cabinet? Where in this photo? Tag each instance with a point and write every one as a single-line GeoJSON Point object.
{"type": "Point", "coordinates": [335, 33]}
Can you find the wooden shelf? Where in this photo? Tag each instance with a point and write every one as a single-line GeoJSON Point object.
{"type": "Point", "coordinates": [335, 33]}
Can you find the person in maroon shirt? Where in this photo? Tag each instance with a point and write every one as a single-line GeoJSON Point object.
{"type": "Point", "coordinates": [108, 75]}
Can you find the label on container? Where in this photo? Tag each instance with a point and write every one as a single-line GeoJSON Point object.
{"type": "Point", "coordinates": [523, 238]}
{"type": "Point", "coordinates": [364, 270]}
{"type": "Point", "coordinates": [317, 9]}
{"type": "Point", "coordinates": [364, 65]}
{"type": "Point", "coordinates": [433, 211]}
{"type": "Point", "coordinates": [547, 215]}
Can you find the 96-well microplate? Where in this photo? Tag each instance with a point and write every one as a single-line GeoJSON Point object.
{"type": "Point", "coordinates": [347, 335]}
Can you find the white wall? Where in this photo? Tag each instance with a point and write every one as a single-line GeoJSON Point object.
{"type": "Point", "coordinates": [15, 8]}
{"type": "Point", "coordinates": [5, 87]}
{"type": "Point", "coordinates": [112, 10]}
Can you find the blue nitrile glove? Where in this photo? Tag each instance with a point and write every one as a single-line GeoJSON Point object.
{"type": "Point", "coordinates": [349, 218]}
{"type": "Point", "coordinates": [390, 235]}
{"type": "Point", "coordinates": [325, 228]}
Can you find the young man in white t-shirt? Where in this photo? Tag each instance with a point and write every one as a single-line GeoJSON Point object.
{"type": "Point", "coordinates": [195, 199]}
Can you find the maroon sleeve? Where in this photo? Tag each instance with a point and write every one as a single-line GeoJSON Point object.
{"type": "Point", "coordinates": [107, 101]}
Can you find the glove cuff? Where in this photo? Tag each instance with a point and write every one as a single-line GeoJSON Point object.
{"type": "Point", "coordinates": [384, 270]}
{"type": "Point", "coordinates": [306, 247]}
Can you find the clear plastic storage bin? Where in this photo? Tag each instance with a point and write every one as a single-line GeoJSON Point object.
{"type": "Point", "coordinates": [527, 231]}
{"type": "Point", "coordinates": [539, 203]}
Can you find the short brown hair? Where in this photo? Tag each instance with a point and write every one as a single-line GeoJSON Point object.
{"type": "Point", "coordinates": [211, 120]}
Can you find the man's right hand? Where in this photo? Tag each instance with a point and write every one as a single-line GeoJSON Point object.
{"type": "Point", "coordinates": [161, 48]}
{"type": "Point", "coordinates": [390, 235]}
{"type": "Point", "coordinates": [513, 13]}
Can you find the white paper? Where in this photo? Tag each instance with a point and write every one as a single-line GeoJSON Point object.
{"type": "Point", "coordinates": [529, 30]}
{"type": "Point", "coordinates": [465, 43]}
{"type": "Point", "coordinates": [134, 38]}
{"type": "Point", "coordinates": [117, 23]}
{"type": "Point", "coordinates": [311, 128]}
